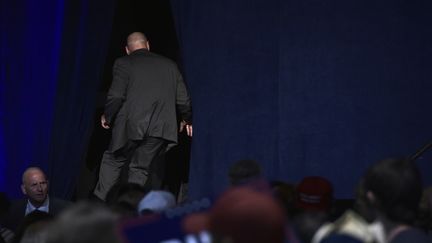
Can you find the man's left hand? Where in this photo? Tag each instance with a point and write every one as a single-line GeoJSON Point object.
{"type": "Point", "coordinates": [188, 127]}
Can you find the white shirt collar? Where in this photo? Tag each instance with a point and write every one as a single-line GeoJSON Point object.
{"type": "Point", "coordinates": [44, 207]}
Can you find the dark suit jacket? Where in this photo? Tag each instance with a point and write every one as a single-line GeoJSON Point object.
{"type": "Point", "coordinates": [146, 92]}
{"type": "Point", "coordinates": [16, 212]}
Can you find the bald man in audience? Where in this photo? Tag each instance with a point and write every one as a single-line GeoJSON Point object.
{"type": "Point", "coordinates": [35, 189]}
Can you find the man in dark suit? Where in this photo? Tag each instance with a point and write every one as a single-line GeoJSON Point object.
{"type": "Point", "coordinates": [146, 92]}
{"type": "Point", "coordinates": [35, 187]}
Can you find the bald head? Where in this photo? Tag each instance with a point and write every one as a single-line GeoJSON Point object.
{"type": "Point", "coordinates": [35, 185]}
{"type": "Point", "coordinates": [135, 41]}
{"type": "Point", "coordinates": [29, 172]}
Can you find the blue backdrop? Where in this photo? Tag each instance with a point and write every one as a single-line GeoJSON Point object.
{"type": "Point", "coordinates": [52, 53]}
{"type": "Point", "coordinates": [305, 87]}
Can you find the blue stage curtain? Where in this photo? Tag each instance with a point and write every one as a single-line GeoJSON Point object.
{"type": "Point", "coordinates": [305, 87]}
{"type": "Point", "coordinates": [52, 53]}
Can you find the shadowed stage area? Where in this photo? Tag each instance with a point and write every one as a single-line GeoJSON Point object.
{"type": "Point", "coordinates": [305, 88]}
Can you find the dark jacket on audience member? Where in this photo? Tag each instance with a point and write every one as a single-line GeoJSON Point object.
{"type": "Point", "coordinates": [17, 211]}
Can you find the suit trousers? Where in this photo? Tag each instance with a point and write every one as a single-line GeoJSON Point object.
{"type": "Point", "coordinates": [146, 165]}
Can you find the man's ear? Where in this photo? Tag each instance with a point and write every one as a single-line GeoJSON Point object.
{"type": "Point", "coordinates": [148, 45]}
{"type": "Point", "coordinates": [23, 190]}
{"type": "Point", "coordinates": [127, 50]}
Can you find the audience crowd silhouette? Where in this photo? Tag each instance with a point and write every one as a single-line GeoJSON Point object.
{"type": "Point", "coordinates": [391, 206]}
